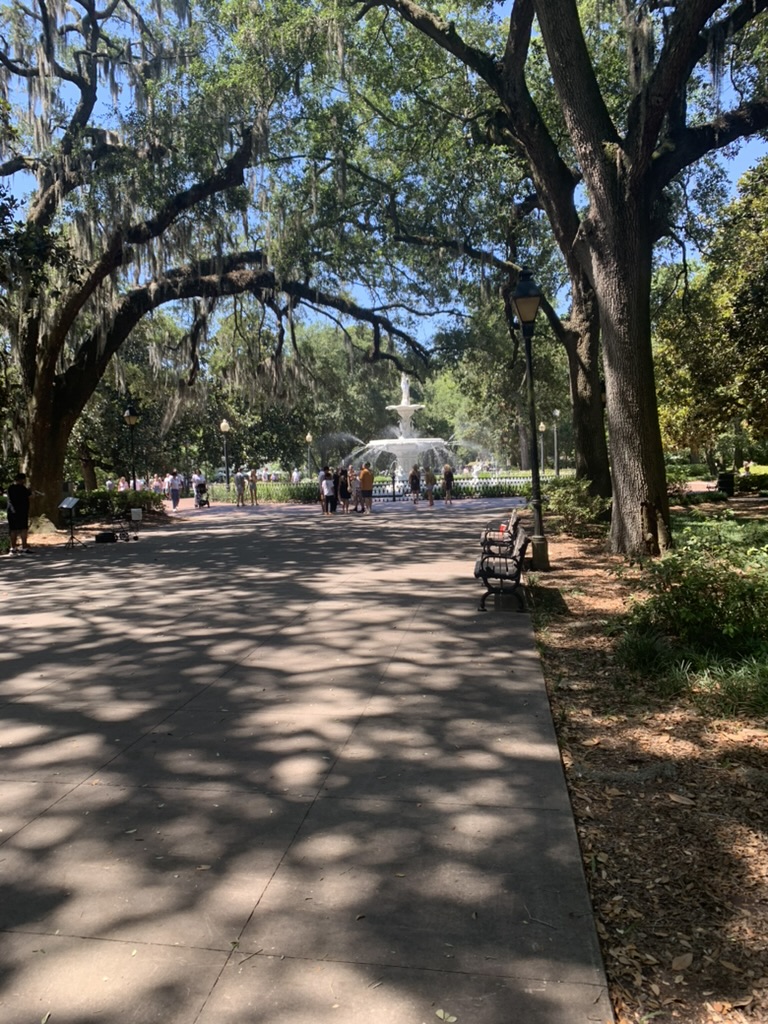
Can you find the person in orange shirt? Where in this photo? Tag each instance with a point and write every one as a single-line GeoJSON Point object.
{"type": "Point", "coordinates": [366, 486]}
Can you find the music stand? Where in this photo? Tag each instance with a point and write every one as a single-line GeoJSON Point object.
{"type": "Point", "coordinates": [69, 504]}
{"type": "Point", "coordinates": [136, 517]}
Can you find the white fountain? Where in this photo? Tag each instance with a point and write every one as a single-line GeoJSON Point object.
{"type": "Point", "coordinates": [397, 454]}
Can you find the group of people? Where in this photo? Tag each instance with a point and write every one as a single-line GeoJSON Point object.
{"type": "Point", "coordinates": [246, 479]}
{"type": "Point", "coordinates": [345, 488]}
{"type": "Point", "coordinates": [430, 482]}
{"type": "Point", "coordinates": [165, 485]}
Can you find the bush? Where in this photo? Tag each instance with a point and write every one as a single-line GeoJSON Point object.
{"type": "Point", "coordinates": [752, 482]}
{"type": "Point", "coordinates": [477, 487]}
{"type": "Point", "coordinates": [303, 493]}
{"type": "Point", "coordinates": [708, 598]}
{"type": "Point", "coordinates": [115, 504]}
{"type": "Point", "coordinates": [570, 499]}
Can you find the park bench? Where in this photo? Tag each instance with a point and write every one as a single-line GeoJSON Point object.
{"type": "Point", "coordinates": [500, 565]}
{"type": "Point", "coordinates": [497, 535]}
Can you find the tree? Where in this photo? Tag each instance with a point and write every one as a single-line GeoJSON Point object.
{"type": "Point", "coordinates": [139, 140]}
{"type": "Point", "coordinates": [710, 333]}
{"type": "Point", "coordinates": [623, 151]}
{"type": "Point", "coordinates": [424, 194]}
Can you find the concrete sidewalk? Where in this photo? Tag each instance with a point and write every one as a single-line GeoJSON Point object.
{"type": "Point", "coordinates": [265, 766]}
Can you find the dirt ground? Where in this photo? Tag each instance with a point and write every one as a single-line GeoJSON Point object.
{"type": "Point", "coordinates": [670, 808]}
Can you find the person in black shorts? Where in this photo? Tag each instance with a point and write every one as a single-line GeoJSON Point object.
{"type": "Point", "coordinates": [414, 483]}
{"type": "Point", "coordinates": [18, 514]}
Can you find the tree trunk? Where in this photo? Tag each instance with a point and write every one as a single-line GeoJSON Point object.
{"type": "Point", "coordinates": [88, 466]}
{"type": "Point", "coordinates": [47, 435]}
{"type": "Point", "coordinates": [582, 346]}
{"type": "Point", "coordinates": [622, 272]}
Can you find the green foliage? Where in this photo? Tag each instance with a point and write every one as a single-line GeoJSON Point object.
{"type": "Point", "coordinates": [303, 493]}
{"type": "Point", "coordinates": [570, 499]}
{"type": "Point", "coordinates": [477, 488]}
{"type": "Point", "coordinates": [751, 482]}
{"type": "Point", "coordinates": [707, 599]}
{"type": "Point", "coordinates": [724, 686]}
{"type": "Point", "coordinates": [116, 504]}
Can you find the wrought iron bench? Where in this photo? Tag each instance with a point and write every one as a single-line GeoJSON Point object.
{"type": "Point", "coordinates": [500, 566]}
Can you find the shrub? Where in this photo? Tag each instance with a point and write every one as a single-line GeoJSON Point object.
{"type": "Point", "coordinates": [707, 598]}
{"type": "Point", "coordinates": [114, 504]}
{"type": "Point", "coordinates": [677, 483]}
{"type": "Point", "coordinates": [752, 482]}
{"type": "Point", "coordinates": [570, 499]}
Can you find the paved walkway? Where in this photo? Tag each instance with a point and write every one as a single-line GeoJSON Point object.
{"type": "Point", "coordinates": [265, 766]}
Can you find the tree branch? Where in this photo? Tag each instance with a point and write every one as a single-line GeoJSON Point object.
{"type": "Point", "coordinates": [693, 143]}
{"type": "Point", "coordinates": [203, 281]}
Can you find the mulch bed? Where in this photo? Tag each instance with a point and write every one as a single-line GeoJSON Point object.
{"type": "Point", "coordinates": [671, 809]}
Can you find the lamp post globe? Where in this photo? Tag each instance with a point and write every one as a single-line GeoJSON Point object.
{"type": "Point", "coordinates": [131, 417]}
{"type": "Point", "coordinates": [526, 300]}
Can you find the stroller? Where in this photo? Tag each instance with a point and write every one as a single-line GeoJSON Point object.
{"type": "Point", "coordinates": [201, 495]}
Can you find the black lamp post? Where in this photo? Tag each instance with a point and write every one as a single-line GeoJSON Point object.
{"type": "Point", "coordinates": [309, 439]}
{"type": "Point", "coordinates": [224, 427]}
{"type": "Point", "coordinates": [555, 418]}
{"type": "Point", "coordinates": [526, 300]}
{"type": "Point", "coordinates": [131, 417]}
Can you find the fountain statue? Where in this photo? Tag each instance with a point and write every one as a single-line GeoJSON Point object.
{"type": "Point", "coordinates": [397, 454]}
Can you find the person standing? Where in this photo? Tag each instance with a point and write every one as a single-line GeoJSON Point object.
{"type": "Point", "coordinates": [414, 483]}
{"type": "Point", "coordinates": [252, 483]}
{"type": "Point", "coordinates": [18, 495]}
{"type": "Point", "coordinates": [429, 486]}
{"type": "Point", "coordinates": [240, 488]}
{"type": "Point", "coordinates": [354, 490]}
{"type": "Point", "coordinates": [344, 492]}
{"type": "Point", "coordinates": [329, 493]}
{"type": "Point", "coordinates": [174, 489]}
{"type": "Point", "coordinates": [324, 472]}
{"type": "Point", "coordinates": [366, 487]}
{"type": "Point", "coordinates": [448, 484]}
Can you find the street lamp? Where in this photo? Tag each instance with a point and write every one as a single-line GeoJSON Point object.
{"type": "Point", "coordinates": [542, 432]}
{"type": "Point", "coordinates": [555, 418]}
{"type": "Point", "coordinates": [225, 428]}
{"type": "Point", "coordinates": [131, 417]}
{"type": "Point", "coordinates": [309, 439]}
{"type": "Point", "coordinates": [526, 300]}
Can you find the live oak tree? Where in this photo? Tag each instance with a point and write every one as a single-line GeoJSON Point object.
{"type": "Point", "coordinates": [138, 148]}
{"type": "Point", "coordinates": [621, 153]}
{"type": "Point", "coordinates": [408, 180]}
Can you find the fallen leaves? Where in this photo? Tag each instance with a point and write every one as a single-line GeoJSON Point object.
{"type": "Point", "coordinates": [672, 818]}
